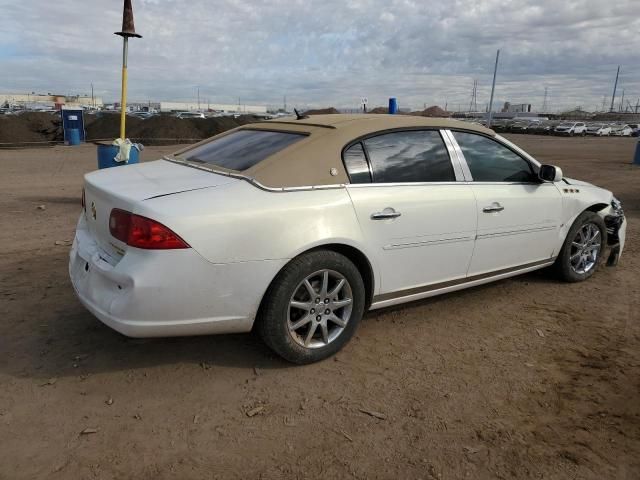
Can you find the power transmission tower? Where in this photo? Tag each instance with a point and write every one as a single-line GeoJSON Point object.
{"type": "Point", "coordinates": [544, 102]}
{"type": "Point", "coordinates": [473, 105]}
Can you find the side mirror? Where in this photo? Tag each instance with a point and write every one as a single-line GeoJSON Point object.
{"type": "Point", "coordinates": [550, 173]}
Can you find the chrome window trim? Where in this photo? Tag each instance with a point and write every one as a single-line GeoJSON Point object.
{"type": "Point", "coordinates": [453, 154]}
{"type": "Point", "coordinates": [257, 184]}
{"type": "Point", "coordinates": [459, 155]}
{"type": "Point", "coordinates": [253, 181]}
{"type": "Point", "coordinates": [402, 184]}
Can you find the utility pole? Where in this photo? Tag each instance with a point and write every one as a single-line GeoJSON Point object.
{"type": "Point", "coordinates": [615, 87]}
{"type": "Point", "coordinates": [93, 103]}
{"type": "Point", "coordinates": [198, 98]}
{"type": "Point", "coordinates": [493, 88]}
{"type": "Point", "coordinates": [285, 103]}
{"type": "Point", "coordinates": [621, 102]}
{"type": "Point", "coordinates": [128, 30]}
{"type": "Point", "coordinates": [604, 101]}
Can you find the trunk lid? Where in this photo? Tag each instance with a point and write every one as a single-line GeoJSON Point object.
{"type": "Point", "coordinates": [124, 187]}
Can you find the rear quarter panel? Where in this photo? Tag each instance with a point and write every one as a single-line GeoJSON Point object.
{"type": "Point", "coordinates": [240, 222]}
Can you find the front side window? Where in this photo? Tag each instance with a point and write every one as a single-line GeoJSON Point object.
{"type": "Point", "coordinates": [409, 156]}
{"type": "Point", "coordinates": [490, 161]}
{"type": "Point", "coordinates": [242, 149]}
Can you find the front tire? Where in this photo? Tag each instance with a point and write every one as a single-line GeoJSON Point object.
{"type": "Point", "coordinates": [313, 307]}
{"type": "Point", "coordinates": [582, 249]}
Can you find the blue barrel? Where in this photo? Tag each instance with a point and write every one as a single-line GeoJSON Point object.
{"type": "Point", "coordinates": [107, 153]}
{"type": "Point", "coordinates": [636, 157]}
{"type": "Point", "coordinates": [393, 105]}
{"type": "Point", "coordinates": [73, 136]}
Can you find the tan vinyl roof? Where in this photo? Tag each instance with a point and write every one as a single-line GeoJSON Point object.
{"type": "Point", "coordinates": [309, 162]}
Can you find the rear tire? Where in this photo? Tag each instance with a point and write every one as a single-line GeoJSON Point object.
{"type": "Point", "coordinates": [582, 249]}
{"type": "Point", "coordinates": [313, 307]}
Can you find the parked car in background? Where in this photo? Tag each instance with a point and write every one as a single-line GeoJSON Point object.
{"type": "Point", "coordinates": [544, 128]}
{"type": "Point", "coordinates": [190, 115]}
{"type": "Point", "coordinates": [571, 129]}
{"type": "Point", "coordinates": [621, 131]}
{"type": "Point", "coordinates": [599, 130]}
{"type": "Point", "coordinates": [499, 125]}
{"type": "Point", "coordinates": [144, 115]}
{"type": "Point", "coordinates": [295, 228]}
{"type": "Point", "coordinates": [634, 129]}
{"type": "Point", "coordinates": [523, 126]}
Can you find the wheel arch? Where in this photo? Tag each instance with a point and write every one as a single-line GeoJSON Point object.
{"type": "Point", "coordinates": [361, 262]}
{"type": "Point", "coordinates": [596, 207]}
{"type": "Point", "coordinates": [357, 256]}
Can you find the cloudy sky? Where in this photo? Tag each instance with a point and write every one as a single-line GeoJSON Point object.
{"type": "Point", "coordinates": [328, 52]}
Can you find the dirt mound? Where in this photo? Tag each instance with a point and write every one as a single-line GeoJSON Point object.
{"type": "Point", "coordinates": [37, 127]}
{"type": "Point", "coordinates": [165, 128]}
{"type": "Point", "coordinates": [30, 127]}
{"type": "Point", "coordinates": [433, 111]}
{"type": "Point", "coordinates": [321, 111]}
{"type": "Point", "coordinates": [379, 110]}
{"type": "Point", "coordinates": [107, 126]}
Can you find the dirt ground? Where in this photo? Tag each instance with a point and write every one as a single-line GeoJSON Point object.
{"type": "Point", "coordinates": [524, 378]}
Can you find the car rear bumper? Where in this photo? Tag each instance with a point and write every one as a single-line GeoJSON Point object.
{"type": "Point", "coordinates": [166, 293]}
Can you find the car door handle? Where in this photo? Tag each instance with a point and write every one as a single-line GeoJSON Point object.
{"type": "Point", "coordinates": [494, 207]}
{"type": "Point", "coordinates": [385, 214]}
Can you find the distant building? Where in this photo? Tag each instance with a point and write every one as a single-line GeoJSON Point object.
{"type": "Point", "coordinates": [37, 100]}
{"type": "Point", "coordinates": [516, 108]}
{"type": "Point", "coordinates": [204, 106]}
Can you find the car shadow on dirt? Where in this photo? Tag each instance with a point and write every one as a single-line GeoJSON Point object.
{"type": "Point", "coordinates": [53, 335]}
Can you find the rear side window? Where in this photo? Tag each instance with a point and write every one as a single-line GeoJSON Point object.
{"type": "Point", "coordinates": [411, 156]}
{"type": "Point", "coordinates": [489, 161]}
{"type": "Point", "coordinates": [355, 161]}
{"type": "Point", "coordinates": [242, 149]}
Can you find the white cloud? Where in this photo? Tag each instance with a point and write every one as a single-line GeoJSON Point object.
{"type": "Point", "coordinates": [326, 52]}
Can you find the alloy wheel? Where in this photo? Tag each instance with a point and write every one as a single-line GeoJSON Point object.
{"type": "Point", "coordinates": [585, 249]}
{"type": "Point", "coordinates": [319, 309]}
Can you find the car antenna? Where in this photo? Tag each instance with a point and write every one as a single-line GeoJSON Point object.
{"type": "Point", "coordinates": [298, 115]}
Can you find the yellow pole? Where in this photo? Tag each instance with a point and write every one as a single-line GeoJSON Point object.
{"type": "Point", "coordinates": [123, 98]}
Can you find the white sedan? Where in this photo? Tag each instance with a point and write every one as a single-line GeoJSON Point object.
{"type": "Point", "coordinates": [297, 227]}
{"type": "Point", "coordinates": [599, 130]}
{"type": "Point", "coordinates": [621, 131]}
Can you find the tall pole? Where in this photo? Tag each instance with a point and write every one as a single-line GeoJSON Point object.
{"type": "Point", "coordinates": [198, 98]}
{"type": "Point", "coordinates": [615, 87]}
{"type": "Point", "coordinates": [123, 96]}
{"type": "Point", "coordinates": [128, 30]}
{"type": "Point", "coordinates": [493, 88]}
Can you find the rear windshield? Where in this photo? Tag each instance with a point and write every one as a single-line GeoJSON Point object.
{"type": "Point", "coordinates": [242, 149]}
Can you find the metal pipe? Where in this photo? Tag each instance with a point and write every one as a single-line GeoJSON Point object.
{"type": "Point", "coordinates": [123, 98]}
{"type": "Point", "coordinates": [493, 88]}
{"type": "Point", "coordinates": [615, 87]}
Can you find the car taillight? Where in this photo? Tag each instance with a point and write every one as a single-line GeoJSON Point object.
{"type": "Point", "coordinates": [143, 232]}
